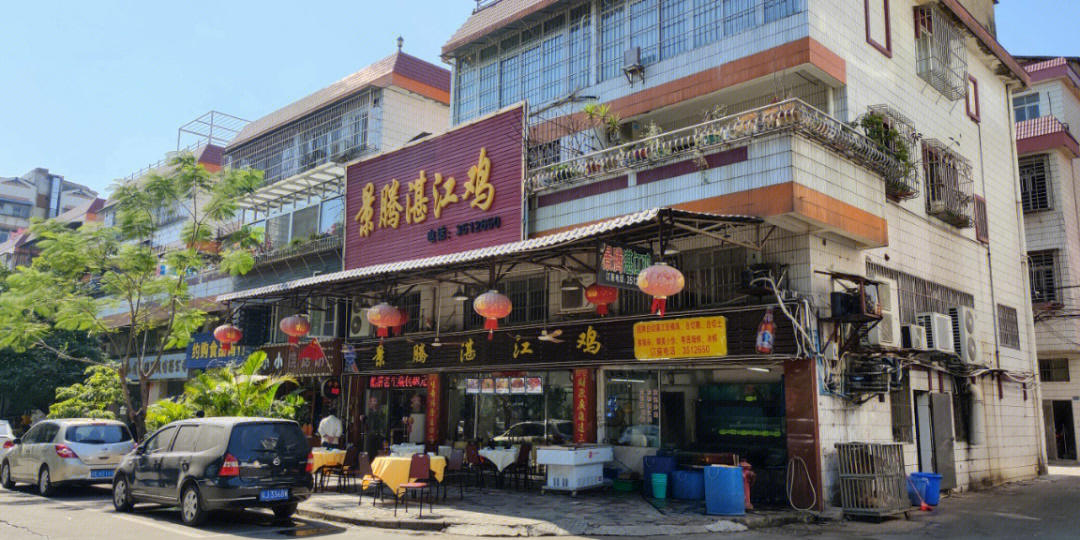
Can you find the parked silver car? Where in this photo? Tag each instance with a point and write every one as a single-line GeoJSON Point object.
{"type": "Point", "coordinates": [70, 451]}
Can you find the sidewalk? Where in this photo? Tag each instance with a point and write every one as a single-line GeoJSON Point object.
{"type": "Point", "coordinates": [515, 513]}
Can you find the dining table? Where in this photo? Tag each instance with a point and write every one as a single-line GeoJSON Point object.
{"type": "Point", "coordinates": [405, 449]}
{"type": "Point", "coordinates": [323, 458]}
{"type": "Point", "coordinates": [394, 470]}
{"type": "Point", "coordinates": [501, 458]}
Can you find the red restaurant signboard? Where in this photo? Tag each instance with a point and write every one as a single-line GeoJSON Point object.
{"type": "Point", "coordinates": [458, 191]}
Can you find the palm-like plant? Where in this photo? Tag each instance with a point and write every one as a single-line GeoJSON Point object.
{"type": "Point", "coordinates": [240, 391]}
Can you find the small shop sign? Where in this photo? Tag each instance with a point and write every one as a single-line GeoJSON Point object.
{"type": "Point", "coordinates": [204, 351]}
{"type": "Point", "coordinates": [313, 359]}
{"type": "Point", "coordinates": [397, 381]}
{"type": "Point", "coordinates": [696, 337]}
{"type": "Point", "coordinates": [620, 264]}
{"type": "Point", "coordinates": [434, 397]}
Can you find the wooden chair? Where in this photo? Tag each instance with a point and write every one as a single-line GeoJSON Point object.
{"type": "Point", "coordinates": [366, 475]}
{"type": "Point", "coordinates": [474, 464]}
{"type": "Point", "coordinates": [519, 470]}
{"type": "Point", "coordinates": [343, 472]}
{"type": "Point", "coordinates": [455, 471]}
{"type": "Point", "coordinates": [420, 476]}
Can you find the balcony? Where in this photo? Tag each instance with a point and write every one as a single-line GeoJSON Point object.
{"type": "Point", "coordinates": [301, 249]}
{"type": "Point", "coordinates": [694, 142]}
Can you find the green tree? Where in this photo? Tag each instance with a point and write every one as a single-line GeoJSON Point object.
{"type": "Point", "coordinates": [90, 398]}
{"type": "Point", "coordinates": [106, 281]}
{"type": "Point", "coordinates": [230, 391]}
{"type": "Point", "coordinates": [29, 379]}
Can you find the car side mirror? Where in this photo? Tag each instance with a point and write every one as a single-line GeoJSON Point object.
{"type": "Point", "coordinates": [140, 450]}
{"type": "Point", "coordinates": [16, 440]}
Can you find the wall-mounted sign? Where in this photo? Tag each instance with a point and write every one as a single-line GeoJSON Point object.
{"type": "Point", "coordinates": [321, 359]}
{"type": "Point", "coordinates": [619, 264]}
{"type": "Point", "coordinates": [331, 388]}
{"type": "Point", "coordinates": [204, 352]}
{"type": "Point", "coordinates": [434, 397]}
{"type": "Point", "coordinates": [697, 337]}
{"type": "Point", "coordinates": [455, 192]}
{"type": "Point", "coordinates": [397, 381]}
{"type": "Point", "coordinates": [584, 405]}
{"type": "Point", "coordinates": [172, 366]}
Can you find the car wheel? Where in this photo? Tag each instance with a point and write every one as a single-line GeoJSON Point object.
{"type": "Point", "coordinates": [44, 484]}
{"type": "Point", "coordinates": [284, 511]}
{"type": "Point", "coordinates": [5, 476]}
{"type": "Point", "coordinates": [121, 497]}
{"type": "Point", "coordinates": [191, 507]}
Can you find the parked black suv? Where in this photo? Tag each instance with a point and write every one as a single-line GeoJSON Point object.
{"type": "Point", "coordinates": [214, 463]}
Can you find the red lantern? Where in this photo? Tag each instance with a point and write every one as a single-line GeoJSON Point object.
{"type": "Point", "coordinates": [601, 295]}
{"type": "Point", "coordinates": [404, 318]}
{"type": "Point", "coordinates": [383, 317]}
{"type": "Point", "coordinates": [492, 306]}
{"type": "Point", "coordinates": [295, 327]}
{"type": "Point", "coordinates": [227, 334]}
{"type": "Point", "coordinates": [660, 281]}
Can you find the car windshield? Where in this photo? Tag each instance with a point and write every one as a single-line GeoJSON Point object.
{"type": "Point", "coordinates": [98, 434]}
{"type": "Point", "coordinates": [267, 437]}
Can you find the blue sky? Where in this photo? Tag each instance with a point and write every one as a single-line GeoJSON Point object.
{"type": "Point", "coordinates": [96, 90]}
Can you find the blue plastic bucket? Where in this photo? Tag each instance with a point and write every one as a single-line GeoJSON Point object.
{"type": "Point", "coordinates": [655, 464]}
{"type": "Point", "coordinates": [933, 486]}
{"type": "Point", "coordinates": [659, 485]}
{"type": "Point", "coordinates": [916, 490]}
{"type": "Point", "coordinates": [688, 485]}
{"type": "Point", "coordinates": [724, 495]}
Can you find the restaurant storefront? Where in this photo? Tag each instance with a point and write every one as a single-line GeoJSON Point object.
{"type": "Point", "coordinates": [316, 366]}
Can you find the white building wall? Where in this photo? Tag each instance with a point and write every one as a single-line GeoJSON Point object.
{"type": "Point", "coordinates": [406, 115]}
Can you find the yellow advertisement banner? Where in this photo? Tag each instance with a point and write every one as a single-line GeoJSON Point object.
{"type": "Point", "coordinates": [698, 337]}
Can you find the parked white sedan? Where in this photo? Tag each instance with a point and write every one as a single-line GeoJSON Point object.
{"type": "Point", "coordinates": [70, 451]}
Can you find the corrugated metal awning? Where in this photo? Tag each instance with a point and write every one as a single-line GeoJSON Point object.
{"type": "Point", "coordinates": [685, 223]}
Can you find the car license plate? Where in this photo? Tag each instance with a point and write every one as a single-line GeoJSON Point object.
{"type": "Point", "coordinates": [273, 495]}
{"type": "Point", "coordinates": [101, 473]}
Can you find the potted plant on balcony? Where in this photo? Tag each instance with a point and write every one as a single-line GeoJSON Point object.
{"type": "Point", "coordinates": [889, 141]}
{"type": "Point", "coordinates": [604, 122]}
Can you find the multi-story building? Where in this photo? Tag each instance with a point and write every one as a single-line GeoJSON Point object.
{"type": "Point", "coordinates": [39, 194]}
{"type": "Point", "coordinates": [20, 247]}
{"type": "Point", "coordinates": [1049, 180]}
{"type": "Point", "coordinates": [837, 174]}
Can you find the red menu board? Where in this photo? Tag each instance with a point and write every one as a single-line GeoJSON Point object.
{"type": "Point", "coordinates": [397, 381]}
{"type": "Point", "coordinates": [434, 396]}
{"type": "Point", "coordinates": [584, 406]}
{"type": "Point", "coordinates": [458, 191]}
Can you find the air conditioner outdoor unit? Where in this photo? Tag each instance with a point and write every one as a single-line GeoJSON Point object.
{"type": "Point", "coordinates": [939, 332]}
{"type": "Point", "coordinates": [965, 338]}
{"type": "Point", "coordinates": [359, 327]}
{"type": "Point", "coordinates": [886, 333]}
{"type": "Point", "coordinates": [914, 337]}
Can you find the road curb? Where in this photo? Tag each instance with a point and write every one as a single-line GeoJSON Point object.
{"type": "Point", "coordinates": [410, 525]}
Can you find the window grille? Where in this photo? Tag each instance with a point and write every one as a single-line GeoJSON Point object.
{"type": "Point", "coordinates": [342, 132]}
{"type": "Point", "coordinates": [941, 54]}
{"type": "Point", "coordinates": [900, 401]}
{"type": "Point", "coordinates": [961, 403]}
{"type": "Point", "coordinates": [1008, 327]}
{"type": "Point", "coordinates": [903, 147]}
{"type": "Point", "coordinates": [410, 302]}
{"type": "Point", "coordinates": [917, 295]}
{"type": "Point", "coordinates": [1044, 275]}
{"type": "Point", "coordinates": [779, 9]}
{"type": "Point", "coordinates": [982, 225]}
{"type": "Point", "coordinates": [1026, 107]}
{"type": "Point", "coordinates": [738, 16]}
{"type": "Point", "coordinates": [528, 295]}
{"type": "Point", "coordinates": [1054, 369]}
{"type": "Point", "coordinates": [949, 189]}
{"type": "Point", "coordinates": [1035, 183]}
{"type": "Point", "coordinates": [712, 277]}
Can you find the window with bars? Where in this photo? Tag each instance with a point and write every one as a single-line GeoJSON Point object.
{"type": "Point", "coordinates": [917, 295]}
{"type": "Point", "coordinates": [528, 295]}
{"type": "Point", "coordinates": [982, 225]}
{"type": "Point", "coordinates": [1054, 369]}
{"type": "Point", "coordinates": [712, 276]}
{"type": "Point", "coordinates": [1026, 107]}
{"type": "Point", "coordinates": [1008, 327]}
{"type": "Point", "coordinates": [900, 403]}
{"type": "Point", "coordinates": [1043, 275]}
{"type": "Point", "coordinates": [961, 403]}
{"type": "Point", "coordinates": [1035, 183]}
{"type": "Point", "coordinates": [410, 302]}
{"type": "Point", "coordinates": [779, 9]}
{"type": "Point", "coordinates": [949, 189]}
{"type": "Point", "coordinates": [738, 16]}
{"type": "Point", "coordinates": [941, 54]}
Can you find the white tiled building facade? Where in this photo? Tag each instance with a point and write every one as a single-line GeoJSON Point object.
{"type": "Point", "coordinates": [841, 57]}
{"type": "Point", "coordinates": [1048, 153]}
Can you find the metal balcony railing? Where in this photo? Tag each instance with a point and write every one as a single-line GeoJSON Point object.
{"type": "Point", "coordinates": [326, 243]}
{"type": "Point", "coordinates": [790, 116]}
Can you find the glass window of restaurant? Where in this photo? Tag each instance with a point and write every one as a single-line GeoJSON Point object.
{"type": "Point", "coordinates": [724, 410]}
{"type": "Point", "coordinates": [510, 408]}
{"type": "Point", "coordinates": [394, 411]}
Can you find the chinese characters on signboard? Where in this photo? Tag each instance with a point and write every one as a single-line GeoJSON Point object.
{"type": "Point", "coordinates": [204, 352]}
{"type": "Point", "coordinates": [433, 398]}
{"type": "Point", "coordinates": [620, 264]}
{"type": "Point", "coordinates": [397, 381]}
{"type": "Point", "coordinates": [698, 337]}
{"type": "Point", "coordinates": [584, 405]}
{"type": "Point", "coordinates": [648, 406]}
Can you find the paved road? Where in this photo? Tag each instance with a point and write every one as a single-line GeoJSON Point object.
{"type": "Point", "coordinates": [1045, 508]}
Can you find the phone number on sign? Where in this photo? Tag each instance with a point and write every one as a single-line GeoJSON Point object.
{"type": "Point", "coordinates": [470, 227]}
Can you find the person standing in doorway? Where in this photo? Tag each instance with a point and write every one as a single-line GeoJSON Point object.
{"type": "Point", "coordinates": [330, 429]}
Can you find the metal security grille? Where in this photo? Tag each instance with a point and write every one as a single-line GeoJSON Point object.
{"type": "Point", "coordinates": [1035, 183]}
{"type": "Point", "coordinates": [342, 132]}
{"type": "Point", "coordinates": [982, 225]}
{"type": "Point", "coordinates": [1054, 369]}
{"type": "Point", "coordinates": [918, 295]}
{"type": "Point", "coordinates": [528, 295]}
{"type": "Point", "coordinates": [712, 276]}
{"type": "Point", "coordinates": [900, 401]}
{"type": "Point", "coordinates": [949, 189]}
{"type": "Point", "coordinates": [1043, 275]}
{"type": "Point", "coordinates": [1008, 327]}
{"type": "Point", "coordinates": [941, 56]}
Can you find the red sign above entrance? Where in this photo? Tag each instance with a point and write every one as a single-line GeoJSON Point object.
{"type": "Point", "coordinates": [455, 192]}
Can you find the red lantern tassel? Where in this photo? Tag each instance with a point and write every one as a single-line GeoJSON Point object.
{"type": "Point", "coordinates": [658, 306]}
{"type": "Point", "coordinates": [382, 331]}
{"type": "Point", "coordinates": [225, 347]}
{"type": "Point", "coordinates": [601, 309]}
{"type": "Point", "coordinates": [491, 325]}
{"type": "Point", "coordinates": [293, 340]}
